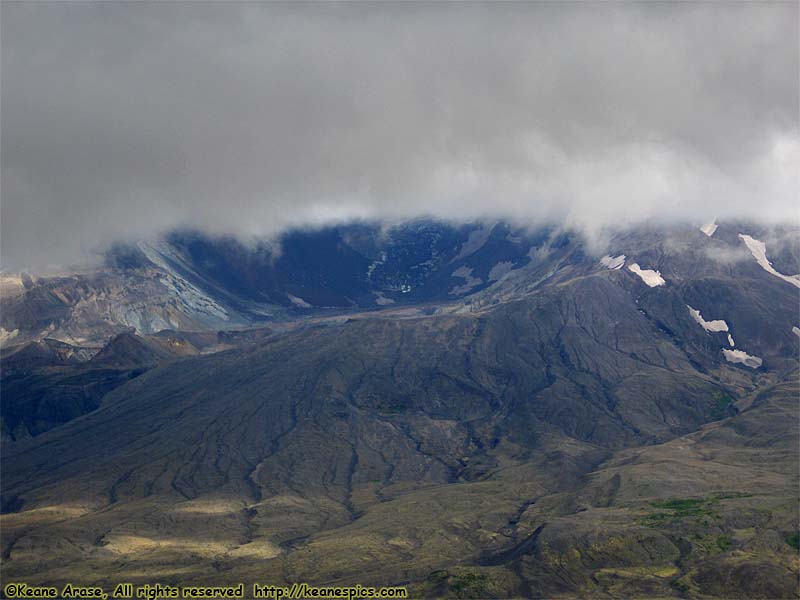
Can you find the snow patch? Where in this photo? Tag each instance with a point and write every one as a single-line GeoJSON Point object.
{"type": "Point", "coordinates": [500, 269]}
{"type": "Point", "coordinates": [299, 302]}
{"type": "Point", "coordinates": [470, 282]}
{"type": "Point", "coordinates": [759, 251]}
{"type": "Point", "coordinates": [709, 228]}
{"type": "Point", "coordinates": [141, 318]}
{"type": "Point", "coordinates": [613, 262]}
{"type": "Point", "coordinates": [796, 331]}
{"type": "Point", "coordinates": [650, 277]}
{"type": "Point", "coordinates": [738, 356]}
{"type": "Point", "coordinates": [475, 241]}
{"type": "Point", "coordinates": [374, 264]}
{"type": "Point", "coordinates": [730, 341]}
{"type": "Point", "coordinates": [715, 326]}
{"type": "Point", "coordinates": [381, 299]}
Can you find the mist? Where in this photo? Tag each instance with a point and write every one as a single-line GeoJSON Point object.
{"type": "Point", "coordinates": [123, 120]}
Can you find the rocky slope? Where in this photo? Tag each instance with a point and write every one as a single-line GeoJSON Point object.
{"type": "Point", "coordinates": [47, 383]}
{"type": "Point", "coordinates": [190, 281]}
{"type": "Point", "coordinates": [578, 427]}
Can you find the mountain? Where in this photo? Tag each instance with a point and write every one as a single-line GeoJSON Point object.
{"type": "Point", "coordinates": [528, 417]}
{"type": "Point", "coordinates": [48, 383]}
{"type": "Point", "coordinates": [191, 281]}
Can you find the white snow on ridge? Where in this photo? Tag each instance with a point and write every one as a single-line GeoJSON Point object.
{"type": "Point", "coordinates": [718, 325]}
{"type": "Point", "coordinates": [613, 262]}
{"type": "Point", "coordinates": [737, 356]}
{"type": "Point", "coordinates": [650, 277]}
{"type": "Point", "coordinates": [759, 251]}
{"type": "Point", "coordinates": [709, 228]}
{"type": "Point", "coordinates": [730, 340]}
{"type": "Point", "coordinates": [299, 302]}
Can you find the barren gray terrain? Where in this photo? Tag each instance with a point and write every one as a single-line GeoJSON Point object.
{"type": "Point", "coordinates": [566, 431]}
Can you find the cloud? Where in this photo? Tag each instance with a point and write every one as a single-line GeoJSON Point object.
{"type": "Point", "coordinates": [124, 119]}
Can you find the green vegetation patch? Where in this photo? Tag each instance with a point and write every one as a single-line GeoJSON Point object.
{"type": "Point", "coordinates": [721, 406]}
{"type": "Point", "coordinates": [391, 408]}
{"type": "Point", "coordinates": [682, 506]}
{"type": "Point", "coordinates": [679, 508]}
{"type": "Point", "coordinates": [468, 582]}
{"type": "Point", "coordinates": [794, 540]}
{"type": "Point", "coordinates": [723, 542]}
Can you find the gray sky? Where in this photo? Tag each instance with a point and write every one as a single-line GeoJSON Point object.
{"type": "Point", "coordinates": [124, 119]}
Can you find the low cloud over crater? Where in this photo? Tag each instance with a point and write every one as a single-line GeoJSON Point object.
{"type": "Point", "coordinates": [124, 119]}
